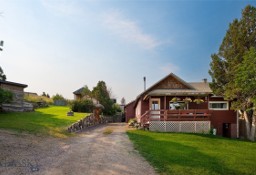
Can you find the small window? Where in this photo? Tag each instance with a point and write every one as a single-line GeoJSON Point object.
{"type": "Point", "coordinates": [217, 105]}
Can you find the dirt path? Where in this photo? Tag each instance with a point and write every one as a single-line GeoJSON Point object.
{"type": "Point", "coordinates": [91, 152]}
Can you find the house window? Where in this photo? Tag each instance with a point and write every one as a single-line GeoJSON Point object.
{"type": "Point", "coordinates": [218, 105]}
{"type": "Point", "coordinates": [176, 105]}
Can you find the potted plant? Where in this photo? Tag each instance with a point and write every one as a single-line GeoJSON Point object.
{"type": "Point", "coordinates": [175, 99]}
{"type": "Point", "coordinates": [198, 100]}
{"type": "Point", "coordinates": [187, 100]}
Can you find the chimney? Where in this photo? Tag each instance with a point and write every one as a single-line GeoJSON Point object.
{"type": "Point", "coordinates": [205, 80]}
{"type": "Point", "coordinates": [144, 78]}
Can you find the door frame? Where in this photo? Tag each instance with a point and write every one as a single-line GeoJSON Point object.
{"type": "Point", "coordinates": [156, 113]}
{"type": "Point", "coordinates": [154, 99]}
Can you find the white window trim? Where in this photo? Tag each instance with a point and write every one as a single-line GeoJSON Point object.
{"type": "Point", "coordinates": [223, 109]}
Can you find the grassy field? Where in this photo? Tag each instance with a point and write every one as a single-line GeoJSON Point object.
{"type": "Point", "coordinates": [177, 153]}
{"type": "Point", "coordinates": [51, 121]}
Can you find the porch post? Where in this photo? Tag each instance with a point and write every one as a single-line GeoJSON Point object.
{"type": "Point", "coordinates": [165, 112]}
{"type": "Point", "coordinates": [164, 102]}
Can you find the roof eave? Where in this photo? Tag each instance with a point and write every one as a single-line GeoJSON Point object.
{"type": "Point", "coordinates": [13, 83]}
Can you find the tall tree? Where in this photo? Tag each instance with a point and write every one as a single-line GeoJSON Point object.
{"type": "Point", "coordinates": [245, 91]}
{"type": "Point", "coordinates": [1, 43]}
{"type": "Point", "coordinates": [44, 94]}
{"type": "Point", "coordinates": [2, 75]}
{"type": "Point", "coordinates": [86, 92]}
{"type": "Point", "coordinates": [57, 97]}
{"type": "Point", "coordinates": [234, 50]}
{"type": "Point", "coordinates": [101, 93]}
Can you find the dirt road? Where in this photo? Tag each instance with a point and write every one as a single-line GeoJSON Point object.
{"type": "Point", "coordinates": [104, 150]}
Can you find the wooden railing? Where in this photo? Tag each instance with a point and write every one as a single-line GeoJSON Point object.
{"type": "Point", "coordinates": [175, 115]}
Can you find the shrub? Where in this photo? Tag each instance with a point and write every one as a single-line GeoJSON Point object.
{"type": "Point", "coordinates": [5, 97]}
{"type": "Point", "coordinates": [82, 106]}
{"type": "Point", "coordinates": [38, 101]}
{"type": "Point", "coordinates": [132, 122]}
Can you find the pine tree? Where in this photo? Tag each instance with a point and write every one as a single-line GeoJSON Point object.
{"type": "Point", "coordinates": [237, 44]}
{"type": "Point", "coordinates": [2, 75]}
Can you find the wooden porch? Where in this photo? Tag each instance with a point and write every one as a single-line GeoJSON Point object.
{"type": "Point", "coordinates": [174, 115]}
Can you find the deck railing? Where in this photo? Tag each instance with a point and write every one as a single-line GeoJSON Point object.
{"type": "Point", "coordinates": [175, 115]}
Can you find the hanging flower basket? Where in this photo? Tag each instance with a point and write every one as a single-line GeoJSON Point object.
{"type": "Point", "coordinates": [175, 99]}
{"type": "Point", "coordinates": [198, 100]}
{"type": "Point", "coordinates": [187, 100]}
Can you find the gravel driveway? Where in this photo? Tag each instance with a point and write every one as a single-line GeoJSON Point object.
{"type": "Point", "coordinates": [95, 152]}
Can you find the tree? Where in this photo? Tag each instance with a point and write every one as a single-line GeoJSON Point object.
{"type": "Point", "coordinates": [1, 43]}
{"type": "Point", "coordinates": [86, 92]}
{"type": "Point", "coordinates": [2, 75]}
{"type": "Point", "coordinates": [101, 93]}
{"type": "Point", "coordinates": [234, 55]}
{"type": "Point", "coordinates": [44, 94]}
{"type": "Point", "coordinates": [245, 88]}
{"type": "Point", "coordinates": [57, 97]}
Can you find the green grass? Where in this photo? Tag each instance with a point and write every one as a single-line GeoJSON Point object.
{"type": "Point", "coordinates": [51, 121]}
{"type": "Point", "coordinates": [177, 153]}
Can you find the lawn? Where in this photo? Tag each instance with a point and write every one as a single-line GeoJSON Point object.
{"type": "Point", "coordinates": [177, 153]}
{"type": "Point", "coordinates": [51, 121]}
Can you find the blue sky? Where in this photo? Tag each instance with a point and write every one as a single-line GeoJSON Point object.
{"type": "Point", "coordinates": [60, 46]}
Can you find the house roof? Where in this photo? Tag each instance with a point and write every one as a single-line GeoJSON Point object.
{"type": "Point", "coordinates": [194, 88]}
{"type": "Point", "coordinates": [31, 93]}
{"type": "Point", "coordinates": [201, 86]}
{"type": "Point", "coordinates": [129, 103]}
{"type": "Point", "coordinates": [175, 77]}
{"type": "Point", "coordinates": [13, 84]}
{"type": "Point", "coordinates": [78, 91]}
{"type": "Point", "coordinates": [175, 92]}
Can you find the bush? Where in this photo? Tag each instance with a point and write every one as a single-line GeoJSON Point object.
{"type": "Point", "coordinates": [59, 100]}
{"type": "Point", "coordinates": [132, 122]}
{"type": "Point", "coordinates": [82, 106]}
{"type": "Point", "coordinates": [5, 97]}
{"type": "Point", "coordinates": [38, 101]}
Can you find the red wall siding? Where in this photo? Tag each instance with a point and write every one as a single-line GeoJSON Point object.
{"type": "Point", "coordinates": [144, 106]}
{"type": "Point", "coordinates": [203, 105]}
{"type": "Point", "coordinates": [129, 111]}
{"type": "Point", "coordinates": [218, 118]}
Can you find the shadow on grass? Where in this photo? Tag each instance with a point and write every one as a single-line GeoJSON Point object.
{"type": "Point", "coordinates": [216, 137]}
{"type": "Point", "coordinates": [172, 157]}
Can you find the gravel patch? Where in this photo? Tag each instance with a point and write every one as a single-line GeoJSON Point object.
{"type": "Point", "coordinates": [96, 151]}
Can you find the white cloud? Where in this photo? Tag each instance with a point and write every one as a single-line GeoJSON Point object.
{"type": "Point", "coordinates": [168, 68]}
{"type": "Point", "coordinates": [129, 30]}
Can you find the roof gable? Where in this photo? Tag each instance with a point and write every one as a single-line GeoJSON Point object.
{"type": "Point", "coordinates": [173, 85]}
{"type": "Point", "coordinates": [171, 81]}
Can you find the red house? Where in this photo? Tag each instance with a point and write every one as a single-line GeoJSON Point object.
{"type": "Point", "coordinates": [173, 105]}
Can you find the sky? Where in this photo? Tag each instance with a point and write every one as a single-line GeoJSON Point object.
{"type": "Point", "coordinates": [58, 46]}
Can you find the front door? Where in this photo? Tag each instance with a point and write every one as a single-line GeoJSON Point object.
{"type": "Point", "coordinates": [155, 108]}
{"type": "Point", "coordinates": [226, 130]}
